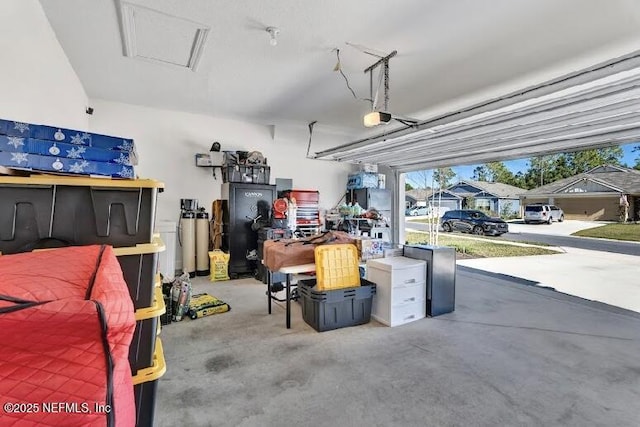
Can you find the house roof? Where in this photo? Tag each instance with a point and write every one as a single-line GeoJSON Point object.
{"type": "Point", "coordinates": [418, 193]}
{"type": "Point", "coordinates": [618, 178]}
{"type": "Point", "coordinates": [422, 194]}
{"type": "Point", "coordinates": [497, 189]}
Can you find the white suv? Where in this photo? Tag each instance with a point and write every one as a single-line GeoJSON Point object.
{"type": "Point", "coordinates": [542, 213]}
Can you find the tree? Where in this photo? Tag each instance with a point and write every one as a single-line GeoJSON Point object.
{"type": "Point", "coordinates": [507, 212]}
{"type": "Point", "coordinates": [538, 173]}
{"type": "Point", "coordinates": [443, 176]}
{"type": "Point", "coordinates": [469, 202]}
{"type": "Point", "coordinates": [499, 172]}
{"type": "Point", "coordinates": [547, 169]}
{"type": "Point", "coordinates": [480, 173]}
{"type": "Point", "coordinates": [582, 161]}
{"type": "Point", "coordinates": [407, 186]}
{"type": "Point", "coordinates": [518, 180]}
{"type": "Point", "coordinates": [637, 165]}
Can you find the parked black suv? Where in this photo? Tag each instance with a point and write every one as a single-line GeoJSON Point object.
{"type": "Point", "coordinates": [472, 221]}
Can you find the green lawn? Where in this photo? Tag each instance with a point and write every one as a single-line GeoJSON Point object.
{"type": "Point", "coordinates": [628, 231]}
{"type": "Point", "coordinates": [478, 248]}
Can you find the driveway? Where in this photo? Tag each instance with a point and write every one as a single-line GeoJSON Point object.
{"type": "Point", "coordinates": [565, 228]}
{"type": "Point", "coordinates": [599, 275]}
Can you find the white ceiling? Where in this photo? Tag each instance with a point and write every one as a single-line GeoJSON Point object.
{"type": "Point", "coordinates": [447, 50]}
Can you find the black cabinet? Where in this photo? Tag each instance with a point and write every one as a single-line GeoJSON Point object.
{"type": "Point", "coordinates": [441, 276]}
{"type": "Point", "coordinates": [244, 203]}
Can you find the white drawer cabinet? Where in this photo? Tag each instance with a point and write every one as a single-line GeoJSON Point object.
{"type": "Point", "coordinates": [401, 289]}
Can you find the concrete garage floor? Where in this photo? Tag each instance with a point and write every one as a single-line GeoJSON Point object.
{"type": "Point", "coordinates": [510, 354]}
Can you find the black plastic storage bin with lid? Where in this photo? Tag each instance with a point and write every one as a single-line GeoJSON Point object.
{"type": "Point", "coordinates": [75, 210]}
{"type": "Point", "coordinates": [145, 387]}
{"type": "Point", "coordinates": [338, 308]}
{"type": "Point", "coordinates": [143, 343]}
{"type": "Point", "coordinates": [139, 266]}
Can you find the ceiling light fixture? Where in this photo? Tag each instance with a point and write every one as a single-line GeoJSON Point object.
{"type": "Point", "coordinates": [376, 118]}
{"type": "Point", "coordinates": [273, 33]}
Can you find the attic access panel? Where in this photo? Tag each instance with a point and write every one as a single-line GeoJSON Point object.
{"type": "Point", "coordinates": [152, 35]}
{"type": "Point", "coordinates": [592, 108]}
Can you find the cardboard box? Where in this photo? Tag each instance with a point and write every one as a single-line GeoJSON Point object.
{"type": "Point", "coordinates": [360, 180]}
{"type": "Point", "coordinates": [371, 248]}
{"type": "Point", "coordinates": [368, 167]}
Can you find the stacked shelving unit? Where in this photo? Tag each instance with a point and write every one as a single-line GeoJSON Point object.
{"type": "Point", "coordinates": [52, 210]}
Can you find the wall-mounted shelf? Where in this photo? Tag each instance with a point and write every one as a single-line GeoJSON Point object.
{"type": "Point", "coordinates": [205, 160]}
{"type": "Point", "coordinates": [213, 168]}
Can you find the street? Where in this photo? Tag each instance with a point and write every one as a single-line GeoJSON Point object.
{"type": "Point", "coordinates": [557, 236]}
{"type": "Point", "coordinates": [627, 248]}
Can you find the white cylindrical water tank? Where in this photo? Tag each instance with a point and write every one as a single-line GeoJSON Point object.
{"type": "Point", "coordinates": [202, 243]}
{"type": "Point", "coordinates": [167, 258]}
{"type": "Point", "coordinates": [188, 242]}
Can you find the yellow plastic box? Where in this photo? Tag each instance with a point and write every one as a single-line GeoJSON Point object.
{"type": "Point", "coordinates": [336, 266]}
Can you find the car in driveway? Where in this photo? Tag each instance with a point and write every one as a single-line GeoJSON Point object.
{"type": "Point", "coordinates": [473, 221]}
{"type": "Point", "coordinates": [541, 213]}
{"type": "Point", "coordinates": [418, 211]}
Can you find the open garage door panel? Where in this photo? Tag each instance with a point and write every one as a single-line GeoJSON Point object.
{"type": "Point", "coordinates": [592, 108]}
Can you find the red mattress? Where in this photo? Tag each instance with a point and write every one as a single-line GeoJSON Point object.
{"type": "Point", "coordinates": [66, 322]}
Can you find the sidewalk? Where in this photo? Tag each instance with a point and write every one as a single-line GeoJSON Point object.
{"type": "Point", "coordinates": [565, 228]}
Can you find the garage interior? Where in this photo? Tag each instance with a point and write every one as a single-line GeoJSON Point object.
{"type": "Point", "coordinates": [291, 85]}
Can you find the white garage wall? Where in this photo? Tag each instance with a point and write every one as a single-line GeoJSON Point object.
{"type": "Point", "coordinates": [38, 85]}
{"type": "Point", "coordinates": [167, 142]}
{"type": "Point", "coordinates": [37, 82]}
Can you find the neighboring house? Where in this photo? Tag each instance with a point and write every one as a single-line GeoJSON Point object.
{"type": "Point", "coordinates": [444, 198]}
{"type": "Point", "coordinates": [489, 196]}
{"type": "Point", "coordinates": [416, 197]}
{"type": "Point", "coordinates": [593, 195]}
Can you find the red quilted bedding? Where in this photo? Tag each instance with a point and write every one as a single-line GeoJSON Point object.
{"type": "Point", "coordinates": [66, 322]}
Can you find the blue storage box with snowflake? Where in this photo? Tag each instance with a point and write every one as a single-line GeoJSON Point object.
{"type": "Point", "coordinates": [18, 144]}
{"type": "Point", "coordinates": [69, 136]}
{"type": "Point", "coordinates": [11, 128]}
{"type": "Point", "coordinates": [28, 161]}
